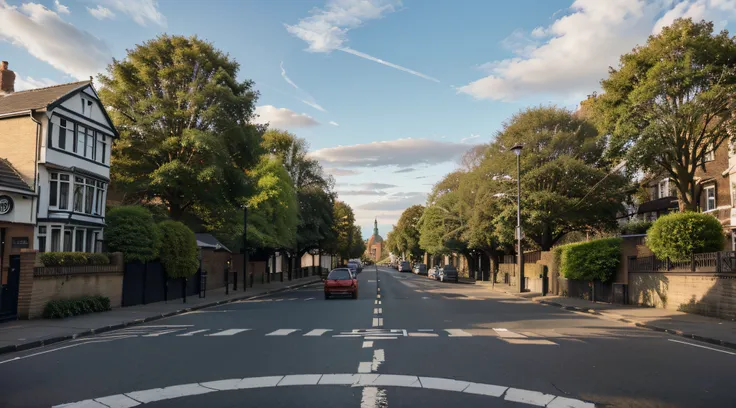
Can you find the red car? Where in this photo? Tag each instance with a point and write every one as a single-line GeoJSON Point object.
{"type": "Point", "coordinates": [341, 282]}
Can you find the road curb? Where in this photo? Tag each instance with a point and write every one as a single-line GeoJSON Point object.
{"type": "Point", "coordinates": [643, 325]}
{"type": "Point", "coordinates": [56, 339]}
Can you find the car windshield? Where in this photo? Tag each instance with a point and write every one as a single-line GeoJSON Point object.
{"type": "Point", "coordinates": [340, 274]}
{"type": "Point", "coordinates": [352, 265]}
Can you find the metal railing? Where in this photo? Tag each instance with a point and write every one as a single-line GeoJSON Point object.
{"type": "Point", "coordinates": [717, 262]}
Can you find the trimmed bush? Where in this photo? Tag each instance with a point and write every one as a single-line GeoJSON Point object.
{"type": "Point", "coordinates": [59, 309]}
{"type": "Point", "coordinates": [678, 235]}
{"type": "Point", "coordinates": [178, 249]}
{"type": "Point", "coordinates": [73, 259]}
{"type": "Point", "coordinates": [589, 261]}
{"type": "Point", "coordinates": [635, 227]}
{"type": "Point", "coordinates": [131, 230]}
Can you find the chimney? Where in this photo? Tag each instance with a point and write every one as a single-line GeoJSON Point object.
{"type": "Point", "coordinates": [7, 78]}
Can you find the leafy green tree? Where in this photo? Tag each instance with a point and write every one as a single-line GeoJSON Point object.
{"type": "Point", "coordinates": [348, 239]}
{"type": "Point", "coordinates": [406, 232]}
{"type": "Point", "coordinates": [184, 123]}
{"type": "Point", "coordinates": [670, 102]}
{"type": "Point", "coordinates": [178, 249]}
{"type": "Point", "coordinates": [357, 248]}
{"type": "Point", "coordinates": [678, 235]}
{"type": "Point", "coordinates": [566, 185]}
{"type": "Point", "coordinates": [132, 231]}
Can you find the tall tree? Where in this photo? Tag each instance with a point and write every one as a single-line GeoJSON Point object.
{"type": "Point", "coordinates": [671, 102]}
{"type": "Point", "coordinates": [184, 122]}
{"type": "Point", "coordinates": [406, 232]}
{"type": "Point", "coordinates": [347, 234]}
{"type": "Point", "coordinates": [566, 185]}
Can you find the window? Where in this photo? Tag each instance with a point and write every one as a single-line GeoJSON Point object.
{"type": "Point", "coordinates": [101, 148]}
{"type": "Point", "coordinates": [79, 241]}
{"type": "Point", "coordinates": [65, 128]}
{"type": "Point", "coordinates": [55, 236]}
{"type": "Point", "coordinates": [41, 239]}
{"type": "Point", "coordinates": [90, 236]}
{"type": "Point", "coordinates": [63, 191]}
{"type": "Point", "coordinates": [80, 140]}
{"type": "Point", "coordinates": [53, 190]}
{"type": "Point", "coordinates": [68, 239]}
{"type": "Point", "coordinates": [709, 156]}
{"type": "Point", "coordinates": [100, 198]}
{"type": "Point", "coordinates": [78, 194]}
{"type": "Point", "coordinates": [89, 196]}
{"type": "Point", "coordinates": [710, 198]}
{"type": "Point", "coordinates": [663, 188]}
{"type": "Point", "coordinates": [90, 149]}
{"type": "Point", "coordinates": [87, 107]}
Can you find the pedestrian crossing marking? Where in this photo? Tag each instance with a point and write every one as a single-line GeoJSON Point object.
{"type": "Point", "coordinates": [192, 333]}
{"type": "Point", "coordinates": [458, 333]}
{"type": "Point", "coordinates": [317, 332]}
{"type": "Point", "coordinates": [282, 332]}
{"type": "Point", "coordinates": [504, 333]}
{"type": "Point", "coordinates": [228, 332]}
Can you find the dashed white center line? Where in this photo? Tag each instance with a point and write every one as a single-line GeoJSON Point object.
{"type": "Point", "coordinates": [365, 367]}
{"type": "Point", "coordinates": [311, 298]}
{"type": "Point", "coordinates": [282, 332]}
{"type": "Point", "coordinates": [367, 344]}
{"type": "Point", "coordinates": [317, 332]}
{"type": "Point", "coordinates": [378, 357]}
{"type": "Point", "coordinates": [378, 296]}
{"type": "Point", "coordinates": [377, 310]}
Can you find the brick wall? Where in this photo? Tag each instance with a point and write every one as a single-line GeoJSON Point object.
{"type": "Point", "coordinates": [18, 139]}
{"type": "Point", "coordinates": [702, 293]}
{"type": "Point", "coordinates": [13, 231]}
{"type": "Point", "coordinates": [213, 262]}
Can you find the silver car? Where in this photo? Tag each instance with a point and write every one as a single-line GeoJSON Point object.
{"type": "Point", "coordinates": [447, 273]}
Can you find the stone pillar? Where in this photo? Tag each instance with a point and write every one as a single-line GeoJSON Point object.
{"type": "Point", "coordinates": [25, 288]}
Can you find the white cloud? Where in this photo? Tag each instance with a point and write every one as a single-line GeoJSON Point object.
{"type": "Point", "coordinates": [50, 39]}
{"type": "Point", "coordinates": [326, 29]}
{"type": "Point", "coordinates": [396, 202]}
{"type": "Point", "coordinates": [315, 105]}
{"type": "Point", "coordinates": [60, 8]}
{"type": "Point", "coordinates": [361, 192]}
{"type": "Point", "coordinates": [283, 118]}
{"type": "Point", "coordinates": [333, 123]}
{"type": "Point", "coordinates": [340, 172]}
{"type": "Point", "coordinates": [471, 137]}
{"type": "Point", "coordinates": [378, 186]}
{"type": "Point", "coordinates": [24, 83]}
{"type": "Point", "coordinates": [405, 170]}
{"type": "Point", "coordinates": [400, 153]}
{"type": "Point", "coordinates": [310, 100]}
{"type": "Point", "coordinates": [286, 77]}
{"type": "Point", "coordinates": [100, 12]}
{"type": "Point", "coordinates": [582, 45]}
{"type": "Point", "coordinates": [141, 11]}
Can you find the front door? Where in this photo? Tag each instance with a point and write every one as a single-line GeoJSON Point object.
{"type": "Point", "coordinates": [9, 296]}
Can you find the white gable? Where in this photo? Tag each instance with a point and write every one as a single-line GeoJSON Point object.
{"type": "Point", "coordinates": [87, 104]}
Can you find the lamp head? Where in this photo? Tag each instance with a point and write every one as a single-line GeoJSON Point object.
{"type": "Point", "coordinates": [517, 149]}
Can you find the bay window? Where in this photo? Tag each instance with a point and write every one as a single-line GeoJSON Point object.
{"type": "Point", "coordinates": [68, 239]}
{"type": "Point", "coordinates": [89, 196]}
{"type": "Point", "coordinates": [101, 144]}
{"type": "Point", "coordinates": [90, 144]}
{"type": "Point", "coordinates": [79, 240]}
{"type": "Point", "coordinates": [55, 237]}
{"type": "Point", "coordinates": [100, 198]}
{"type": "Point", "coordinates": [78, 194]}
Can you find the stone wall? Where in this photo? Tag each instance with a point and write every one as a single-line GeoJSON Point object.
{"type": "Point", "coordinates": [708, 294]}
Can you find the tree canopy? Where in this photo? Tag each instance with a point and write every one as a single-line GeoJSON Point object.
{"type": "Point", "coordinates": [406, 232]}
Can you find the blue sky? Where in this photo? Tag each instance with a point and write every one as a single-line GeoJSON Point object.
{"type": "Point", "coordinates": [448, 73]}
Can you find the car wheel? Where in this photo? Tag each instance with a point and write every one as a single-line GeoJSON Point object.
{"type": "Point", "coordinates": [355, 294]}
{"type": "Point", "coordinates": [327, 295]}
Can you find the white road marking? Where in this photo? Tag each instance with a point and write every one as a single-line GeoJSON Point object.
{"type": "Point", "coordinates": [228, 332]}
{"type": "Point", "coordinates": [530, 342]}
{"type": "Point", "coordinates": [379, 289]}
{"type": "Point", "coordinates": [458, 333]}
{"type": "Point", "coordinates": [311, 298]}
{"type": "Point", "coordinates": [425, 330]}
{"type": "Point", "coordinates": [528, 397]}
{"type": "Point", "coordinates": [373, 398]}
{"type": "Point", "coordinates": [118, 401]}
{"type": "Point", "coordinates": [282, 332]}
{"type": "Point", "coordinates": [375, 321]}
{"type": "Point", "coordinates": [156, 334]}
{"type": "Point", "coordinates": [192, 333]}
{"type": "Point", "coordinates": [56, 349]}
{"type": "Point", "coordinates": [380, 338]}
{"type": "Point", "coordinates": [364, 367]}
{"type": "Point", "coordinates": [378, 358]}
{"type": "Point", "coordinates": [425, 297]}
{"type": "Point", "coordinates": [367, 344]}
{"type": "Point", "coordinates": [301, 379]}
{"type": "Point", "coordinates": [317, 332]}
{"type": "Point", "coordinates": [347, 335]}
{"type": "Point", "coordinates": [705, 347]}
{"type": "Point", "coordinates": [378, 296]}
{"type": "Point", "coordinates": [505, 334]}
{"type": "Point", "coordinates": [377, 310]}
{"type": "Point", "coordinates": [423, 334]}
{"type": "Point", "coordinates": [367, 380]}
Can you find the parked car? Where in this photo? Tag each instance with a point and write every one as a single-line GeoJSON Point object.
{"type": "Point", "coordinates": [433, 272]}
{"type": "Point", "coordinates": [404, 266]}
{"type": "Point", "coordinates": [341, 281]}
{"type": "Point", "coordinates": [420, 269]}
{"type": "Point", "coordinates": [353, 266]}
{"type": "Point", "coordinates": [448, 273]}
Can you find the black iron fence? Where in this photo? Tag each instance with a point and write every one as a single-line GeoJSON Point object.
{"type": "Point", "coordinates": [147, 283]}
{"type": "Point", "coordinates": [714, 262]}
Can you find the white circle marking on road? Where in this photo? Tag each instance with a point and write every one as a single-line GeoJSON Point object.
{"type": "Point", "coordinates": [135, 398]}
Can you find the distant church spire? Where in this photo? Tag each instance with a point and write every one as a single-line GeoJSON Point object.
{"type": "Point", "coordinates": [375, 227]}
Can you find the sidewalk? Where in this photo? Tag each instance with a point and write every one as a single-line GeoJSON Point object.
{"type": "Point", "coordinates": [703, 328]}
{"type": "Point", "coordinates": [25, 334]}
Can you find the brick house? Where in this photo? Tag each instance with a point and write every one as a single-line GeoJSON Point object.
{"type": "Point", "coordinates": [54, 168]}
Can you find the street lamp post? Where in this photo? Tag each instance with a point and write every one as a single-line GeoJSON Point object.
{"type": "Point", "coordinates": [519, 251]}
{"type": "Point", "coordinates": [245, 247]}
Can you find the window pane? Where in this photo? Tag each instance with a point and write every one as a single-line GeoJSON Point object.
{"type": "Point", "coordinates": [79, 241]}
{"type": "Point", "coordinates": [63, 195]}
{"type": "Point", "coordinates": [42, 230]}
{"type": "Point", "coordinates": [89, 199]}
{"type": "Point", "coordinates": [62, 138]}
{"type": "Point", "coordinates": [90, 243]}
{"type": "Point", "coordinates": [81, 136]}
{"type": "Point", "coordinates": [52, 192]}
{"type": "Point", "coordinates": [67, 240]}
{"type": "Point", "coordinates": [64, 177]}
{"type": "Point", "coordinates": [100, 201]}
{"type": "Point", "coordinates": [54, 176]}
{"type": "Point", "coordinates": [78, 196]}
{"type": "Point", "coordinates": [41, 244]}
{"type": "Point", "coordinates": [104, 151]}
{"type": "Point", "coordinates": [55, 236]}
{"type": "Point", "coordinates": [90, 152]}
{"type": "Point", "coordinates": [99, 152]}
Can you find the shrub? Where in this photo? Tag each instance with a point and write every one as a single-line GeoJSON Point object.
{"type": "Point", "coordinates": [678, 235]}
{"type": "Point", "coordinates": [131, 230]}
{"type": "Point", "coordinates": [73, 259]}
{"type": "Point", "coordinates": [635, 227]}
{"type": "Point", "coordinates": [178, 249]}
{"type": "Point", "coordinates": [592, 260]}
{"type": "Point", "coordinates": [59, 309]}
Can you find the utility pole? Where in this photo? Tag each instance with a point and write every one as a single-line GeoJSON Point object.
{"type": "Point", "coordinates": [519, 251]}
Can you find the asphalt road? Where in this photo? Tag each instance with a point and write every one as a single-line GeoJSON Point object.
{"type": "Point", "coordinates": [406, 342]}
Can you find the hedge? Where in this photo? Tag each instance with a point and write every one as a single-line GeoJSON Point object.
{"type": "Point", "coordinates": [678, 235]}
{"type": "Point", "coordinates": [132, 231]}
{"type": "Point", "coordinates": [73, 259]}
{"type": "Point", "coordinates": [59, 309]}
{"type": "Point", "coordinates": [635, 227]}
{"type": "Point", "coordinates": [178, 249]}
{"type": "Point", "coordinates": [593, 260]}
